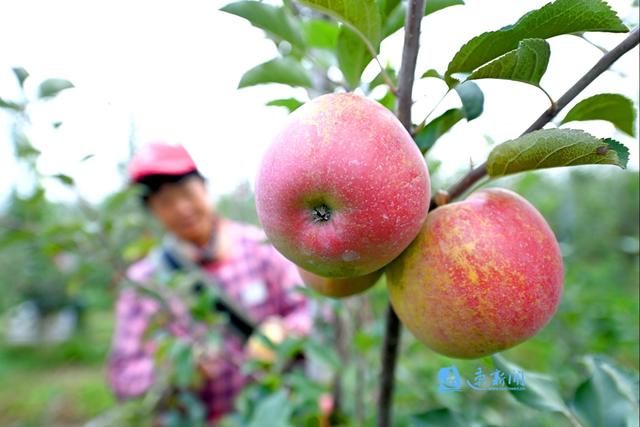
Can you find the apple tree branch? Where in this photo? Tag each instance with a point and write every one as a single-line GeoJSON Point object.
{"type": "Point", "coordinates": [415, 11]}
{"type": "Point", "coordinates": [479, 172]}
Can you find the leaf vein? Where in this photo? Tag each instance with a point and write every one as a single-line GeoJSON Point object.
{"type": "Point", "coordinates": [514, 158]}
{"type": "Point", "coordinates": [553, 152]}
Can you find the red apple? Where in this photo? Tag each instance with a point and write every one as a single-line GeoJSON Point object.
{"type": "Point", "coordinates": [339, 287]}
{"type": "Point", "coordinates": [343, 189]}
{"type": "Point", "coordinates": [483, 275]}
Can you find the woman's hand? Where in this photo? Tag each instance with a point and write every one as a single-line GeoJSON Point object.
{"type": "Point", "coordinates": [209, 362]}
{"type": "Point", "coordinates": [272, 328]}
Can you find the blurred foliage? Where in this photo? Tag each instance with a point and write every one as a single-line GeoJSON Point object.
{"type": "Point", "coordinates": [57, 384]}
{"type": "Point", "coordinates": [45, 244]}
{"type": "Point", "coordinates": [240, 205]}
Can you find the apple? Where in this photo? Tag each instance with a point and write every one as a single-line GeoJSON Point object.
{"type": "Point", "coordinates": [483, 275]}
{"type": "Point", "coordinates": [339, 287]}
{"type": "Point", "coordinates": [343, 189]}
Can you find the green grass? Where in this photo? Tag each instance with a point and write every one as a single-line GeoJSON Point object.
{"type": "Point", "coordinates": [57, 385]}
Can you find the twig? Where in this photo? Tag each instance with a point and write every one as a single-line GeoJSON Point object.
{"type": "Point", "coordinates": [357, 314]}
{"type": "Point", "coordinates": [374, 54]}
{"type": "Point", "coordinates": [600, 67]}
{"type": "Point", "coordinates": [390, 346]}
{"type": "Point", "coordinates": [423, 123]}
{"type": "Point", "coordinates": [596, 45]}
{"type": "Point", "coordinates": [385, 76]}
{"type": "Point", "coordinates": [407, 72]}
{"type": "Point", "coordinates": [474, 175]}
{"type": "Point", "coordinates": [406, 78]}
{"type": "Point", "coordinates": [343, 352]}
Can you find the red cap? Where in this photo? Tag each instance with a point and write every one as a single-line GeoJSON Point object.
{"type": "Point", "coordinates": [160, 158]}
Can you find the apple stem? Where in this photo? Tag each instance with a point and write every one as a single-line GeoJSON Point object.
{"type": "Point", "coordinates": [406, 76]}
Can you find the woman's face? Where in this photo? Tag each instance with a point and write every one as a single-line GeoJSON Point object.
{"type": "Point", "coordinates": [185, 210]}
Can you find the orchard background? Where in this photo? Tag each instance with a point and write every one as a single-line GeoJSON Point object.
{"type": "Point", "coordinates": [66, 235]}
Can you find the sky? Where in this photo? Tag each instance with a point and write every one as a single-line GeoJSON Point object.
{"type": "Point", "coordinates": [169, 70]}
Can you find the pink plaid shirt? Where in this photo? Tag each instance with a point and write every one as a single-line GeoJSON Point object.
{"type": "Point", "coordinates": [254, 275]}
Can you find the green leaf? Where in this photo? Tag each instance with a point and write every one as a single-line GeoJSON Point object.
{"type": "Point", "coordinates": [10, 105]}
{"type": "Point", "coordinates": [116, 201]}
{"type": "Point", "coordinates": [173, 418]}
{"type": "Point", "coordinates": [541, 392]}
{"type": "Point", "coordinates": [65, 179]}
{"type": "Point", "coordinates": [588, 404]}
{"type": "Point", "coordinates": [182, 357]}
{"type": "Point", "coordinates": [387, 6]}
{"type": "Point", "coordinates": [16, 236]}
{"type": "Point", "coordinates": [353, 56]}
{"type": "Point", "coordinates": [621, 151]}
{"type": "Point", "coordinates": [388, 101]}
{"type": "Point", "coordinates": [276, 21]}
{"type": "Point", "coordinates": [279, 70]}
{"type": "Point", "coordinates": [553, 19]}
{"type": "Point", "coordinates": [273, 411]}
{"type": "Point", "coordinates": [394, 21]}
{"type": "Point", "coordinates": [364, 341]}
{"type": "Point", "coordinates": [472, 99]}
{"type": "Point", "coordinates": [395, 18]}
{"type": "Point", "coordinates": [194, 407]}
{"type": "Point", "coordinates": [304, 386]}
{"type": "Point", "coordinates": [442, 417]}
{"type": "Point", "coordinates": [429, 134]}
{"type": "Point", "coordinates": [626, 381]}
{"type": "Point", "coordinates": [137, 249]}
{"type": "Point", "coordinates": [321, 33]}
{"type": "Point", "coordinates": [612, 107]}
{"type": "Point", "coordinates": [548, 148]}
{"type": "Point", "coordinates": [362, 27]}
{"type": "Point", "coordinates": [379, 78]}
{"type": "Point", "coordinates": [432, 73]}
{"type": "Point", "coordinates": [21, 75]}
{"type": "Point", "coordinates": [362, 16]}
{"type": "Point", "coordinates": [24, 148]}
{"type": "Point", "coordinates": [52, 87]}
{"type": "Point", "coordinates": [609, 397]}
{"type": "Point", "coordinates": [526, 64]}
{"type": "Point", "coordinates": [432, 6]}
{"type": "Point", "coordinates": [290, 104]}
{"type": "Point", "coordinates": [288, 348]}
{"type": "Point", "coordinates": [324, 354]}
